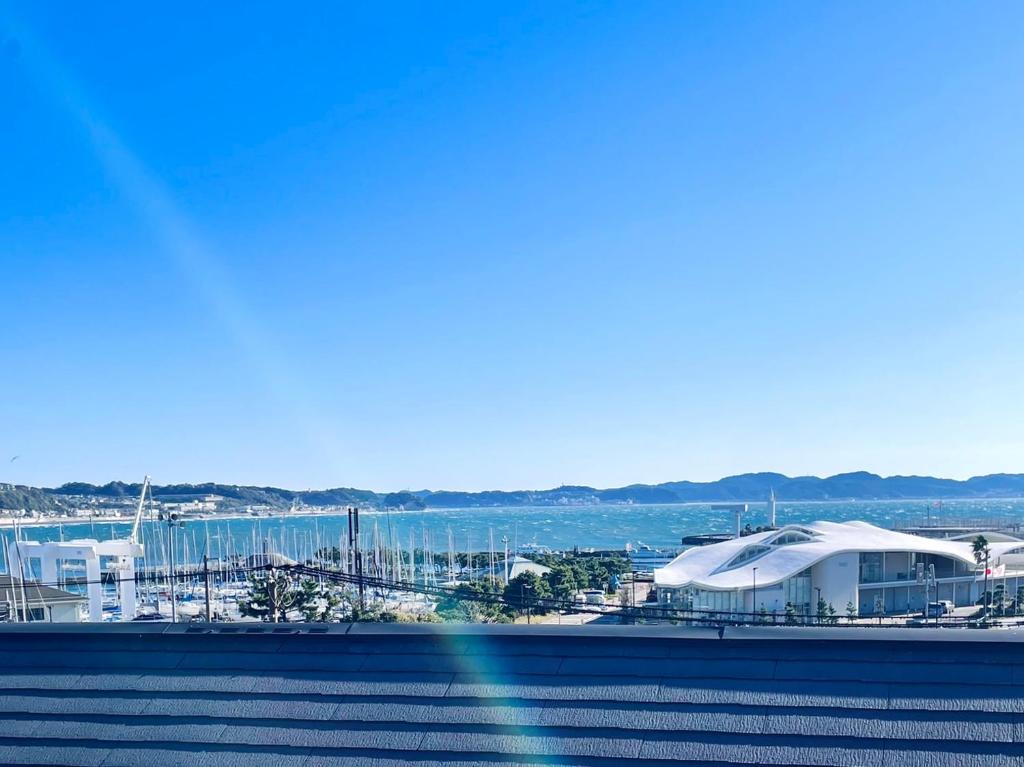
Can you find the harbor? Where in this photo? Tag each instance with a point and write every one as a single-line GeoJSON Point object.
{"type": "Point", "coordinates": [177, 566]}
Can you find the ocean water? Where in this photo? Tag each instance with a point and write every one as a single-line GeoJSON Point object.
{"type": "Point", "coordinates": [600, 526]}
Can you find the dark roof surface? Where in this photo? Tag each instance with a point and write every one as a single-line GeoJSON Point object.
{"type": "Point", "coordinates": [34, 592]}
{"type": "Point", "coordinates": [393, 695]}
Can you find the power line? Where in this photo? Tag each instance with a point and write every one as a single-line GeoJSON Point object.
{"type": "Point", "coordinates": [520, 602]}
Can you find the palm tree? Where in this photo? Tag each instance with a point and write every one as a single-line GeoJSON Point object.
{"type": "Point", "coordinates": [981, 551]}
{"type": "Point", "coordinates": [980, 548]}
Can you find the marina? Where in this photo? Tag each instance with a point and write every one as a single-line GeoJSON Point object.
{"type": "Point", "coordinates": [160, 566]}
{"type": "Point", "coordinates": [606, 527]}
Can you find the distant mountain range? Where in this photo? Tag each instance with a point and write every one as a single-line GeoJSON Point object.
{"type": "Point", "coordinates": [860, 485]}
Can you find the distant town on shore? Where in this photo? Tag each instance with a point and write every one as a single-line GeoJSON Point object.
{"type": "Point", "coordinates": [118, 498]}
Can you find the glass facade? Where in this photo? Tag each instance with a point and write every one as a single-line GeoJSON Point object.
{"type": "Point", "coordinates": [871, 567]}
{"type": "Point", "coordinates": [749, 553]}
{"type": "Point", "coordinates": [895, 566]}
{"type": "Point", "coordinates": [797, 591]}
{"type": "Point", "coordinates": [716, 601]}
{"type": "Point", "coordinates": [792, 536]}
{"type": "Point", "coordinates": [704, 600]}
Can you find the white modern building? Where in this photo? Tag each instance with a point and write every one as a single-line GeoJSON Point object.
{"type": "Point", "coordinates": [841, 563]}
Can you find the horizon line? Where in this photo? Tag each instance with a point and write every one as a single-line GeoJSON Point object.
{"type": "Point", "coordinates": [860, 472]}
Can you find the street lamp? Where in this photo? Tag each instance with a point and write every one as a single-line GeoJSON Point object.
{"type": "Point", "coordinates": [172, 522]}
{"type": "Point", "coordinates": [817, 607]}
{"type": "Point", "coordinates": [753, 598]}
{"type": "Point", "coordinates": [522, 599]}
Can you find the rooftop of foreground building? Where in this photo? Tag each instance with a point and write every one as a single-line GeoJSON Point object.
{"type": "Point", "coordinates": [365, 694]}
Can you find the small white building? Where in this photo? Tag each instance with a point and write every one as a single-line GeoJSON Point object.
{"type": "Point", "coordinates": [842, 563]}
{"type": "Point", "coordinates": [28, 601]}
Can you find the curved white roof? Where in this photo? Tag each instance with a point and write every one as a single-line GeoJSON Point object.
{"type": "Point", "coordinates": [729, 564]}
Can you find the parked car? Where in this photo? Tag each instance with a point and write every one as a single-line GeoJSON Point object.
{"type": "Point", "coordinates": [938, 609]}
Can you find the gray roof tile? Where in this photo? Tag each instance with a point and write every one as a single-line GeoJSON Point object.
{"type": "Point", "coordinates": [381, 697]}
{"type": "Point", "coordinates": [64, 755]}
{"type": "Point", "coordinates": [326, 735]}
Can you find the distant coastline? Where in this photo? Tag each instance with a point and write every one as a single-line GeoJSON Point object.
{"type": "Point", "coordinates": [8, 522]}
{"type": "Point", "coordinates": [111, 499]}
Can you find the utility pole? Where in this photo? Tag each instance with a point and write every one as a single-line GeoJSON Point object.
{"type": "Point", "coordinates": [272, 595]}
{"type": "Point", "coordinates": [172, 523]}
{"type": "Point", "coordinates": [359, 563]}
{"type": "Point", "coordinates": [350, 560]}
{"type": "Point", "coordinates": [174, 598]}
{"type": "Point", "coordinates": [206, 578]}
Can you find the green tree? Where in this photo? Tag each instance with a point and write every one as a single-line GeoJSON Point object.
{"type": "Point", "coordinates": [272, 595]}
{"type": "Point", "coordinates": [851, 610]}
{"type": "Point", "coordinates": [421, 618]}
{"type": "Point", "coordinates": [790, 618]}
{"type": "Point", "coordinates": [562, 582]}
{"type": "Point", "coordinates": [980, 549]}
{"type": "Point", "coordinates": [463, 604]}
{"type": "Point", "coordinates": [524, 590]}
{"type": "Point", "coordinates": [601, 571]}
{"type": "Point", "coordinates": [589, 570]}
{"type": "Point", "coordinates": [319, 601]}
{"type": "Point", "coordinates": [999, 599]}
{"type": "Point", "coordinates": [822, 613]}
{"type": "Point", "coordinates": [374, 614]}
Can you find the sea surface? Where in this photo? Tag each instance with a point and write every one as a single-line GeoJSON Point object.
{"type": "Point", "coordinates": [560, 528]}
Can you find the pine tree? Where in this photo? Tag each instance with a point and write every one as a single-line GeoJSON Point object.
{"type": "Point", "coordinates": [319, 601]}
{"type": "Point", "coordinates": [822, 610]}
{"type": "Point", "coordinates": [523, 590]}
{"type": "Point", "coordinates": [790, 619]}
{"type": "Point", "coordinates": [563, 583]}
{"type": "Point", "coordinates": [271, 596]}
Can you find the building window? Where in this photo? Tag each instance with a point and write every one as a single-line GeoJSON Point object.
{"type": "Point", "coordinates": [791, 537]}
{"type": "Point", "coordinates": [871, 567]}
{"type": "Point", "coordinates": [749, 553]}
{"type": "Point", "coordinates": [706, 600]}
{"type": "Point", "coordinates": [797, 591]}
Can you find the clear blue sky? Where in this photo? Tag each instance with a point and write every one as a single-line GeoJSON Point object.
{"type": "Point", "coordinates": [490, 245]}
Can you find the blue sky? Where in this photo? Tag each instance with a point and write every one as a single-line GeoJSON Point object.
{"type": "Point", "coordinates": [502, 246]}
